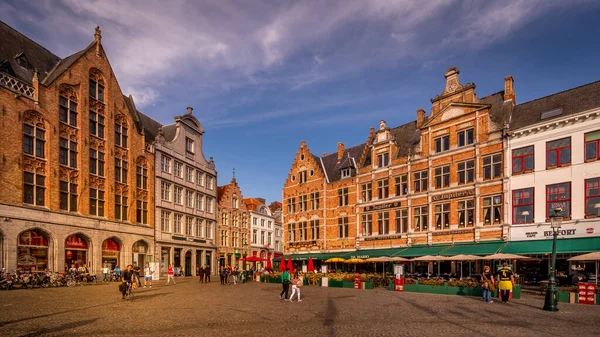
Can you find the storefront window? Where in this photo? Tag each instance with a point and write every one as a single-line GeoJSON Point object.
{"type": "Point", "coordinates": [32, 251]}
{"type": "Point", "coordinates": [76, 251]}
{"type": "Point", "coordinates": [140, 249]}
{"type": "Point", "coordinates": [111, 251]}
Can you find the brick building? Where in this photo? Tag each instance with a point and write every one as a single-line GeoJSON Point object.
{"type": "Point", "coordinates": [186, 194]}
{"type": "Point", "coordinates": [426, 184]}
{"type": "Point", "coordinates": [76, 174]}
{"type": "Point", "coordinates": [233, 225]}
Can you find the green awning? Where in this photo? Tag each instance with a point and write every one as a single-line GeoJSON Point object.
{"type": "Point", "coordinates": [485, 248]}
{"type": "Point", "coordinates": [534, 247]}
{"type": "Point", "coordinates": [369, 253]}
{"type": "Point", "coordinates": [318, 256]}
{"type": "Point", "coordinates": [416, 251]}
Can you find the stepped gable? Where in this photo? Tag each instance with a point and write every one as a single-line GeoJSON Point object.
{"type": "Point", "coordinates": [16, 45]}
{"type": "Point", "coordinates": [572, 101]}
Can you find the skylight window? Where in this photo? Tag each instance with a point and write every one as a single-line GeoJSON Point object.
{"type": "Point", "coordinates": [552, 113]}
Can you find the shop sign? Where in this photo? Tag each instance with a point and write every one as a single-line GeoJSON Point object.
{"type": "Point", "coordinates": [110, 244]}
{"type": "Point", "coordinates": [26, 260]}
{"type": "Point", "coordinates": [453, 195]}
{"type": "Point", "coordinates": [382, 206]}
{"type": "Point", "coordinates": [75, 241]}
{"type": "Point", "coordinates": [110, 253]}
{"type": "Point", "coordinates": [382, 237]}
{"type": "Point", "coordinates": [544, 232]}
{"type": "Point", "coordinates": [452, 232]}
{"type": "Point", "coordinates": [174, 237]}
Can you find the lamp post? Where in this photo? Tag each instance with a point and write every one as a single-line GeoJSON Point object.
{"type": "Point", "coordinates": [550, 303]}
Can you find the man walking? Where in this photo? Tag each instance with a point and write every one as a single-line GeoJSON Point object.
{"type": "Point", "coordinates": [136, 274]}
{"type": "Point", "coordinates": [200, 274]}
{"type": "Point", "coordinates": [235, 275]}
{"type": "Point", "coordinates": [207, 274]}
{"type": "Point", "coordinates": [285, 283]}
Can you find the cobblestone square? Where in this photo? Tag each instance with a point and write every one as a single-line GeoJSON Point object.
{"type": "Point", "coordinates": [192, 309]}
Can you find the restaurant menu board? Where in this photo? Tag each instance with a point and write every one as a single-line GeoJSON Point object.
{"type": "Point", "coordinates": [399, 283]}
{"type": "Point", "coordinates": [357, 282]}
{"type": "Point", "coordinates": [587, 293]}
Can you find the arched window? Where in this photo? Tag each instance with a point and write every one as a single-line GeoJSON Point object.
{"type": "Point", "coordinates": [32, 251]}
{"type": "Point", "coordinates": [96, 85]}
{"type": "Point", "coordinates": [121, 128]}
{"type": "Point", "coordinates": [111, 252]}
{"type": "Point", "coordinates": [67, 108]}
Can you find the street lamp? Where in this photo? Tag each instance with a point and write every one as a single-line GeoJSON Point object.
{"type": "Point", "coordinates": [550, 303]}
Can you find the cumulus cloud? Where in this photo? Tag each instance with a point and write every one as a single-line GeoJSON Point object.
{"type": "Point", "coordinates": [218, 46]}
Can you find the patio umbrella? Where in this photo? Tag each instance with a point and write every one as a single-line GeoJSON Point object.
{"type": "Point", "coordinates": [282, 264]}
{"type": "Point", "coordinates": [355, 261]}
{"type": "Point", "coordinates": [588, 257]}
{"type": "Point", "coordinates": [311, 265]}
{"type": "Point", "coordinates": [253, 259]}
{"type": "Point", "coordinates": [335, 259]}
{"type": "Point", "coordinates": [430, 258]}
{"type": "Point", "coordinates": [269, 265]}
{"type": "Point", "coordinates": [290, 266]}
{"type": "Point", "coordinates": [463, 257]}
{"type": "Point", "coordinates": [383, 259]}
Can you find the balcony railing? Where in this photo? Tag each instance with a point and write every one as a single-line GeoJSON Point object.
{"type": "Point", "coordinates": [15, 85]}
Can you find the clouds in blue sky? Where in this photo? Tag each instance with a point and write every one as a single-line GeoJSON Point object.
{"type": "Point", "coordinates": [292, 70]}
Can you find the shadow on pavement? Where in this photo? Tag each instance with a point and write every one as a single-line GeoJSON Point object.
{"type": "Point", "coordinates": [55, 330]}
{"type": "Point", "coordinates": [49, 315]}
{"type": "Point", "coordinates": [330, 313]}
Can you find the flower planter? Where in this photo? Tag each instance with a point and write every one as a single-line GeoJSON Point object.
{"type": "Point", "coordinates": [370, 284]}
{"type": "Point", "coordinates": [304, 281]}
{"type": "Point", "coordinates": [563, 297]}
{"type": "Point", "coordinates": [431, 289]}
{"type": "Point", "coordinates": [517, 292]}
{"type": "Point", "coordinates": [410, 288]}
{"type": "Point", "coordinates": [348, 284]}
{"type": "Point", "coordinates": [335, 283]}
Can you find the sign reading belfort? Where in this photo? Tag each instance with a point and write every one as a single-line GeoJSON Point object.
{"type": "Point", "coordinates": [453, 195]}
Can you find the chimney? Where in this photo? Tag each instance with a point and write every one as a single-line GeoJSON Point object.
{"type": "Point", "coordinates": [509, 89]}
{"type": "Point", "coordinates": [340, 151]}
{"type": "Point", "coordinates": [420, 117]}
{"type": "Point", "coordinates": [189, 109]}
{"type": "Point", "coordinates": [98, 39]}
{"type": "Point", "coordinates": [325, 154]}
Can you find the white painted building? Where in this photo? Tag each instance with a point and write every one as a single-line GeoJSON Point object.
{"type": "Point", "coordinates": [262, 234]}
{"type": "Point", "coordinates": [186, 191]}
{"type": "Point", "coordinates": [553, 158]}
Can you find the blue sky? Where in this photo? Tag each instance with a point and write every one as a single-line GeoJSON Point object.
{"type": "Point", "coordinates": [262, 76]}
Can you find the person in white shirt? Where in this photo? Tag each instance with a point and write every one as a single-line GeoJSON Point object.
{"type": "Point", "coordinates": [147, 276]}
{"type": "Point", "coordinates": [105, 272]}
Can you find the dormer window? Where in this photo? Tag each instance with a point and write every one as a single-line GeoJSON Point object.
{"type": "Point", "coordinates": [189, 145]}
{"type": "Point", "coordinates": [21, 60]}
{"type": "Point", "coordinates": [383, 159]}
{"type": "Point", "coordinates": [346, 172]}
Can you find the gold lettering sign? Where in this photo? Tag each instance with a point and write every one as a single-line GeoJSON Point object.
{"type": "Point", "coordinates": [452, 195]}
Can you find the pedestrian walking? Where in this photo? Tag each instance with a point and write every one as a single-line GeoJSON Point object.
{"type": "Point", "coordinates": [105, 272]}
{"type": "Point", "coordinates": [148, 276]}
{"type": "Point", "coordinates": [222, 273]}
{"type": "Point", "coordinates": [285, 283]}
{"type": "Point", "coordinates": [207, 274]}
{"type": "Point", "coordinates": [235, 274]}
{"type": "Point", "coordinates": [296, 284]}
{"type": "Point", "coordinates": [126, 280]}
{"type": "Point", "coordinates": [170, 274]}
{"type": "Point", "coordinates": [506, 282]}
{"type": "Point", "coordinates": [200, 275]}
{"type": "Point", "coordinates": [137, 271]}
{"type": "Point", "coordinates": [487, 284]}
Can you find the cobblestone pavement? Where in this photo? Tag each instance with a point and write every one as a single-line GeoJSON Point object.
{"type": "Point", "coordinates": [253, 309]}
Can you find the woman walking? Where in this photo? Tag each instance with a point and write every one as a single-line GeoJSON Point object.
{"type": "Point", "coordinates": [506, 282]}
{"type": "Point", "coordinates": [487, 284]}
{"type": "Point", "coordinates": [170, 274]}
{"type": "Point", "coordinates": [296, 287]}
{"type": "Point", "coordinates": [105, 272]}
{"type": "Point", "coordinates": [148, 276]}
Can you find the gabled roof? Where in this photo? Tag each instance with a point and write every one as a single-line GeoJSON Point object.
{"type": "Point", "coordinates": [252, 204]}
{"type": "Point", "coordinates": [500, 110]}
{"type": "Point", "coordinates": [221, 192]}
{"type": "Point", "coordinates": [14, 43]}
{"type": "Point", "coordinates": [407, 136]}
{"type": "Point", "coordinates": [331, 166]}
{"type": "Point", "coordinates": [276, 205]}
{"type": "Point", "coordinates": [63, 65]}
{"type": "Point", "coordinates": [570, 101]}
{"type": "Point", "coordinates": [151, 127]}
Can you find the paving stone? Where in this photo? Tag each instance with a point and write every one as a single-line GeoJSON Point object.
{"type": "Point", "coordinates": [254, 309]}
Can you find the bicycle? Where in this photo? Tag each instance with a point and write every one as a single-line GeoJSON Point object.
{"type": "Point", "coordinates": [130, 293]}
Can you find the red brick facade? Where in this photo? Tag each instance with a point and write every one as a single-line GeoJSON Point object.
{"type": "Point", "coordinates": [436, 180]}
{"type": "Point", "coordinates": [233, 225]}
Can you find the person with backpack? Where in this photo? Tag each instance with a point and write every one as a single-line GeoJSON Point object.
{"type": "Point", "coordinates": [285, 283]}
